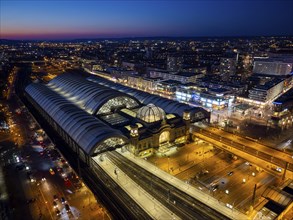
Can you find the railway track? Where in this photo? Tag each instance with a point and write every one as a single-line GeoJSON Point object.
{"type": "Point", "coordinates": [179, 202]}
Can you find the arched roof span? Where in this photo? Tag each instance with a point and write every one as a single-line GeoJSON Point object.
{"type": "Point", "coordinates": [85, 94]}
{"type": "Point", "coordinates": [86, 130]}
{"type": "Point", "coordinates": [169, 106]}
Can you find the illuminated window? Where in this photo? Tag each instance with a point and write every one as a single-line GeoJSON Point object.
{"type": "Point", "coordinates": [164, 137]}
{"type": "Point", "coordinates": [150, 113]}
{"type": "Point", "coordinates": [118, 101]}
{"type": "Point", "coordinates": [110, 142]}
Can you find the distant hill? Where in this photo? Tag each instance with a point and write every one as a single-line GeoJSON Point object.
{"type": "Point", "coordinates": [10, 42]}
{"type": "Point", "coordinates": [165, 38]}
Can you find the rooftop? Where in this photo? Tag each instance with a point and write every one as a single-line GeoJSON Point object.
{"type": "Point", "coordinates": [218, 90]}
{"type": "Point", "coordinates": [187, 74]}
{"type": "Point", "coordinates": [170, 82]}
{"type": "Point", "coordinates": [269, 84]}
{"type": "Point", "coordinates": [287, 96]}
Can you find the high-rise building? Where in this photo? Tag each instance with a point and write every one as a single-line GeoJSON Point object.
{"type": "Point", "coordinates": [174, 63]}
{"type": "Point", "coordinates": [227, 67]}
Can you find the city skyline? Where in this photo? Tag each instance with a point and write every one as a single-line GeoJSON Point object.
{"type": "Point", "coordinates": [144, 127]}
{"type": "Point", "coordinates": [60, 20]}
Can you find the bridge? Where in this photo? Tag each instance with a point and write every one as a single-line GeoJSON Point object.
{"type": "Point", "coordinates": [257, 153]}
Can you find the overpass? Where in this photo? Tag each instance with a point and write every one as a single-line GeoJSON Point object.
{"type": "Point", "coordinates": [257, 153]}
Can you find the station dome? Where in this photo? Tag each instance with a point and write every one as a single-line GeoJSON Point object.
{"type": "Point", "coordinates": [150, 113]}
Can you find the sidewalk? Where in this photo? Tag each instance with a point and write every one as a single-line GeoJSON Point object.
{"type": "Point", "coordinates": [197, 194]}
{"type": "Point", "coordinates": [4, 201]}
{"type": "Point", "coordinates": [152, 206]}
{"type": "Point", "coordinates": [91, 209]}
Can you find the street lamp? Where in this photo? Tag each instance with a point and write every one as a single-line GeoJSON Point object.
{"type": "Point", "coordinates": [168, 164]}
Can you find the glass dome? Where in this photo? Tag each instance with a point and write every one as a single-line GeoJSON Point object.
{"type": "Point", "coordinates": [150, 113]}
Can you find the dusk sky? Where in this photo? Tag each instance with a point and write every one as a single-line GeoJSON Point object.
{"type": "Point", "coordinates": [66, 19]}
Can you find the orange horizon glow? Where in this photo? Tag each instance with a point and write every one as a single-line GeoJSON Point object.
{"type": "Point", "coordinates": [40, 34]}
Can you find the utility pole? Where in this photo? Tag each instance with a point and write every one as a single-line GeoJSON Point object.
{"type": "Point", "coordinates": [284, 174]}
{"type": "Point", "coordinates": [253, 196]}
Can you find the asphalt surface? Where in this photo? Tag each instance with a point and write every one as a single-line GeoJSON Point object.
{"type": "Point", "coordinates": [202, 166]}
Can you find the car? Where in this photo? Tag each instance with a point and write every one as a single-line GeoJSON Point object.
{"type": "Point", "coordinates": [55, 154]}
{"type": "Point", "coordinates": [63, 161]}
{"type": "Point", "coordinates": [205, 171]}
{"type": "Point", "coordinates": [279, 169]}
{"type": "Point", "coordinates": [29, 201]}
{"type": "Point", "coordinates": [52, 172]}
{"type": "Point", "coordinates": [230, 173]}
{"type": "Point", "coordinates": [73, 175]}
{"type": "Point", "coordinates": [43, 178]}
{"type": "Point", "coordinates": [28, 173]}
{"type": "Point", "coordinates": [214, 188]}
{"type": "Point", "coordinates": [214, 183]}
{"type": "Point", "coordinates": [63, 200]}
{"type": "Point", "coordinates": [55, 205]}
{"type": "Point", "coordinates": [78, 185]}
{"type": "Point", "coordinates": [58, 213]}
{"type": "Point", "coordinates": [67, 182]}
{"type": "Point", "coordinates": [31, 179]}
{"type": "Point", "coordinates": [67, 208]}
{"type": "Point", "coordinates": [20, 167]}
{"type": "Point", "coordinates": [55, 197]}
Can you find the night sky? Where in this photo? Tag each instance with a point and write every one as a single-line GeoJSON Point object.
{"type": "Point", "coordinates": [57, 19]}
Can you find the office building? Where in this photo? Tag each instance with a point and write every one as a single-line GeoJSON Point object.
{"type": "Point", "coordinates": [267, 92]}
{"type": "Point", "coordinates": [227, 68]}
{"type": "Point", "coordinates": [174, 63]}
{"type": "Point", "coordinates": [182, 77]}
{"type": "Point", "coordinates": [271, 67]}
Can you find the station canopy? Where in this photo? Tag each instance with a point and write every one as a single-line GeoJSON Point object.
{"type": "Point", "coordinates": [90, 133]}
{"type": "Point", "coordinates": [168, 105]}
{"type": "Point", "coordinates": [92, 97]}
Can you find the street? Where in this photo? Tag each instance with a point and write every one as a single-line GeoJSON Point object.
{"type": "Point", "coordinates": [30, 183]}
